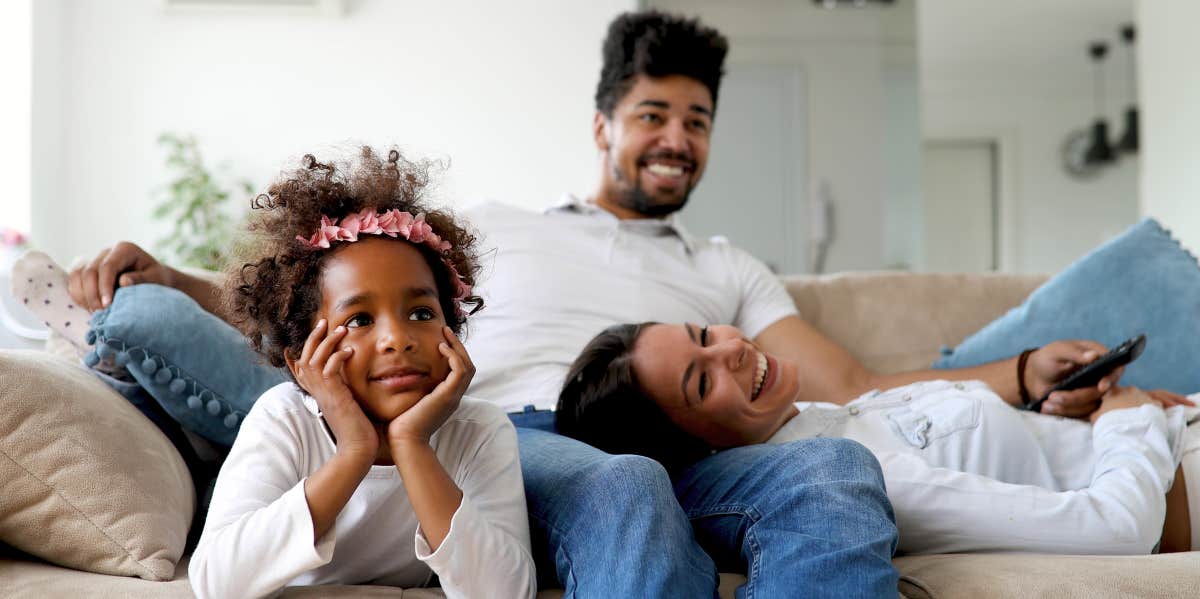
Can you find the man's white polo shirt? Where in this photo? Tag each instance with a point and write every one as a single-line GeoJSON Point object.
{"type": "Point", "coordinates": [552, 281]}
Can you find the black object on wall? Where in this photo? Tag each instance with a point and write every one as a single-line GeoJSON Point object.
{"type": "Point", "coordinates": [1128, 143]}
{"type": "Point", "coordinates": [1099, 150]}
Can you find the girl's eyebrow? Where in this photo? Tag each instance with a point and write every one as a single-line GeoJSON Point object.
{"type": "Point", "coordinates": [361, 298]}
{"type": "Point", "coordinates": [421, 292]}
{"type": "Point", "coordinates": [357, 298]}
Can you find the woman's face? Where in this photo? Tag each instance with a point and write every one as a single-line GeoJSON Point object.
{"type": "Point", "coordinates": [384, 293]}
{"type": "Point", "coordinates": [714, 383]}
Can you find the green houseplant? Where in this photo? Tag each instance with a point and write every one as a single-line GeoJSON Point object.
{"type": "Point", "coordinates": [195, 202]}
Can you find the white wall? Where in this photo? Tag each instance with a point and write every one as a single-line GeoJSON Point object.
{"type": "Point", "coordinates": [503, 90]}
{"type": "Point", "coordinates": [1049, 218]}
{"type": "Point", "coordinates": [860, 74]}
{"type": "Point", "coordinates": [16, 64]}
{"type": "Point", "coordinates": [1170, 92]}
{"type": "Point", "coordinates": [1018, 72]}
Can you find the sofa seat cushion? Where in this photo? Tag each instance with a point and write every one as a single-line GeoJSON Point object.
{"type": "Point", "coordinates": [983, 576]}
{"type": "Point", "coordinates": [88, 481]}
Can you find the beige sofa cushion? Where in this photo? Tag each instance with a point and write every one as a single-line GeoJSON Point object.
{"type": "Point", "coordinates": [980, 576]}
{"type": "Point", "coordinates": [894, 322]}
{"type": "Point", "coordinates": [88, 481]}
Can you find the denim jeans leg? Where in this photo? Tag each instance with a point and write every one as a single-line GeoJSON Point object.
{"type": "Point", "coordinates": [608, 526]}
{"type": "Point", "coordinates": [802, 519]}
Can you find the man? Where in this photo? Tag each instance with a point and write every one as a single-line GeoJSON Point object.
{"type": "Point", "coordinates": [803, 519]}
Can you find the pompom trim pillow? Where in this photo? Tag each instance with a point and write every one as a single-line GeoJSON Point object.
{"type": "Point", "coordinates": [196, 366]}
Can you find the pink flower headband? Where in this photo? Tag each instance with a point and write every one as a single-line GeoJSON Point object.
{"type": "Point", "coordinates": [393, 223]}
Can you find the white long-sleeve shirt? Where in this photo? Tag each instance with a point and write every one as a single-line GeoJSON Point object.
{"type": "Point", "coordinates": [259, 534]}
{"type": "Point", "coordinates": [965, 471]}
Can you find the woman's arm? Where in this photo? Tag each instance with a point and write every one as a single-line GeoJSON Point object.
{"type": "Point", "coordinates": [1120, 512]}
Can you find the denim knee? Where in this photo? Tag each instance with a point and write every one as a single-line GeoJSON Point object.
{"type": "Point", "coordinates": [626, 483]}
{"type": "Point", "coordinates": [833, 460]}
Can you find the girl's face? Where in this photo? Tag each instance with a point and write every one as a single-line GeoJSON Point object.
{"type": "Point", "coordinates": [385, 295]}
{"type": "Point", "coordinates": [714, 383]}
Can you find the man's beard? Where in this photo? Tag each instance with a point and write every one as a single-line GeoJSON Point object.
{"type": "Point", "coordinates": [634, 198]}
{"type": "Point", "coordinates": [641, 202]}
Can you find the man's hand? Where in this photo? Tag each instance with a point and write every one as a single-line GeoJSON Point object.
{"type": "Point", "coordinates": [1052, 363]}
{"type": "Point", "coordinates": [92, 285]}
{"type": "Point", "coordinates": [319, 372]}
{"type": "Point", "coordinates": [418, 423]}
{"type": "Point", "coordinates": [1120, 398]}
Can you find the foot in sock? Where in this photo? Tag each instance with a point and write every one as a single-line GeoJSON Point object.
{"type": "Point", "coordinates": [41, 285]}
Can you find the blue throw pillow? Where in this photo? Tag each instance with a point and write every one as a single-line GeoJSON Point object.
{"type": "Point", "coordinates": [196, 366]}
{"type": "Point", "coordinates": [1139, 282]}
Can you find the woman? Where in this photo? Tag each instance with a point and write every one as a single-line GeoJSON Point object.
{"type": "Point", "coordinates": [965, 471]}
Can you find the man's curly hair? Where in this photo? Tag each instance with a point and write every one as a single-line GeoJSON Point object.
{"type": "Point", "coordinates": [657, 44]}
{"type": "Point", "coordinates": [272, 292]}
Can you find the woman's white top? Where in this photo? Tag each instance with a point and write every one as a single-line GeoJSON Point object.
{"type": "Point", "coordinates": [968, 472]}
{"type": "Point", "coordinates": [259, 534]}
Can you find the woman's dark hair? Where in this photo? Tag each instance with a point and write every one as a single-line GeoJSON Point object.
{"type": "Point", "coordinates": [271, 291]}
{"type": "Point", "coordinates": [603, 405]}
{"type": "Point", "coordinates": [656, 44]}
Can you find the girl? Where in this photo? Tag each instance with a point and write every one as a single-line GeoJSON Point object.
{"type": "Point", "coordinates": [963, 469]}
{"type": "Point", "coordinates": [371, 466]}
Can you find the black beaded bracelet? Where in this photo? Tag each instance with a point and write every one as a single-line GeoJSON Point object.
{"type": "Point", "coordinates": [1025, 398]}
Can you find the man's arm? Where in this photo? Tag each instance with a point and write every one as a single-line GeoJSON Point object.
{"type": "Point", "coordinates": [832, 374]}
{"type": "Point", "coordinates": [92, 285]}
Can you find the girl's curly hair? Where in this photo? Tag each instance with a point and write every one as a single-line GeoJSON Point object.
{"type": "Point", "coordinates": [272, 292]}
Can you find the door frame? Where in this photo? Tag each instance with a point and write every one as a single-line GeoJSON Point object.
{"type": "Point", "coordinates": [1005, 185]}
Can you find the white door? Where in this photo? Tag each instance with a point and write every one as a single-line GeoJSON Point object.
{"type": "Point", "coordinates": [960, 206]}
{"type": "Point", "coordinates": [754, 189]}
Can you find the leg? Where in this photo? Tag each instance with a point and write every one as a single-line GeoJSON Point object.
{"type": "Point", "coordinates": [608, 526]}
{"type": "Point", "coordinates": [802, 519]}
{"type": "Point", "coordinates": [196, 366]}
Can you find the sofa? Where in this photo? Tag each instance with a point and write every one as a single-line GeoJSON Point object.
{"type": "Point", "coordinates": [890, 321]}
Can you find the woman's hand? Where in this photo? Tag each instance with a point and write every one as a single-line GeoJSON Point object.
{"type": "Point", "coordinates": [1053, 362]}
{"type": "Point", "coordinates": [1120, 398]}
{"type": "Point", "coordinates": [418, 423]}
{"type": "Point", "coordinates": [1168, 399]}
{"type": "Point", "coordinates": [319, 372]}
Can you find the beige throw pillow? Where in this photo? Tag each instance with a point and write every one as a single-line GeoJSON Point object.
{"type": "Point", "coordinates": [88, 481]}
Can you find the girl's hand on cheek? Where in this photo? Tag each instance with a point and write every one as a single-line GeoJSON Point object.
{"type": "Point", "coordinates": [418, 423]}
{"type": "Point", "coordinates": [320, 372]}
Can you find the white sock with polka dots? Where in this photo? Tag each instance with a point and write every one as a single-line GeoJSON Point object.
{"type": "Point", "coordinates": [41, 285]}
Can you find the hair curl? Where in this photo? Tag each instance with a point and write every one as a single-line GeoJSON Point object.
{"type": "Point", "coordinates": [603, 405]}
{"type": "Point", "coordinates": [272, 293]}
{"type": "Point", "coordinates": [657, 44]}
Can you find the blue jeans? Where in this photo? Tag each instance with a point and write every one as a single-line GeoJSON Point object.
{"type": "Point", "coordinates": [804, 519]}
